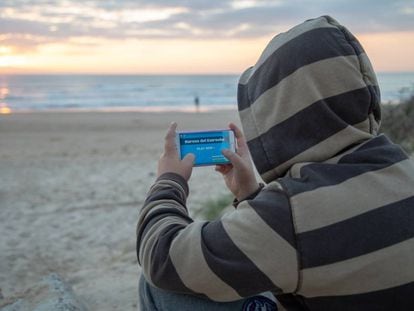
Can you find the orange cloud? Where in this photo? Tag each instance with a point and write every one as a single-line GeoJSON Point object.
{"type": "Point", "coordinates": [390, 51]}
{"type": "Point", "coordinates": [387, 51]}
{"type": "Point", "coordinates": [141, 56]}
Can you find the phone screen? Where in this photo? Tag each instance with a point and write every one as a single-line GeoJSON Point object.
{"type": "Point", "coordinates": [206, 146]}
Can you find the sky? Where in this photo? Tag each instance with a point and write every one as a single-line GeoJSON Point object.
{"type": "Point", "coordinates": [184, 36]}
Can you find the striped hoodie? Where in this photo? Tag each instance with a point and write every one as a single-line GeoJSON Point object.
{"type": "Point", "coordinates": [333, 229]}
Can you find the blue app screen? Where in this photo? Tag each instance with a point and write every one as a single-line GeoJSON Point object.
{"type": "Point", "coordinates": [206, 146]}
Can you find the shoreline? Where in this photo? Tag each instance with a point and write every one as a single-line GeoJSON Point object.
{"type": "Point", "coordinates": [190, 109]}
{"type": "Point", "coordinates": [159, 109]}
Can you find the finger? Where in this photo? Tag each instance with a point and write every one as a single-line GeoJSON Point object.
{"type": "Point", "coordinates": [234, 158]}
{"type": "Point", "coordinates": [237, 132]}
{"type": "Point", "coordinates": [223, 168]}
{"type": "Point", "coordinates": [188, 160]}
{"type": "Point", "coordinates": [169, 146]}
{"type": "Point", "coordinates": [241, 141]}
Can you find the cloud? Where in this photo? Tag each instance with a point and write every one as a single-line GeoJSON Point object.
{"type": "Point", "coordinates": [33, 22]}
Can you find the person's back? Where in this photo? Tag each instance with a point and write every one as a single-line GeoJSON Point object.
{"type": "Point", "coordinates": [310, 109]}
{"type": "Point", "coordinates": [332, 229]}
{"type": "Point", "coordinates": [353, 219]}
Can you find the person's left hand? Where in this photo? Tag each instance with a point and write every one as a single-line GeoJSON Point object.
{"type": "Point", "coordinates": [170, 162]}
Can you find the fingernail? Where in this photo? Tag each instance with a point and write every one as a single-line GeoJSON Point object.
{"type": "Point", "coordinates": [225, 151]}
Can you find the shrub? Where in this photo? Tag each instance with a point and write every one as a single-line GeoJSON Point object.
{"type": "Point", "coordinates": [398, 122]}
{"type": "Point", "coordinates": [214, 208]}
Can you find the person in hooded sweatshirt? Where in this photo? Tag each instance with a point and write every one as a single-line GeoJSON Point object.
{"type": "Point", "coordinates": [332, 229]}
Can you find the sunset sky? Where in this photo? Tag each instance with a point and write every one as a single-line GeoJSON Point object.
{"type": "Point", "coordinates": [184, 36]}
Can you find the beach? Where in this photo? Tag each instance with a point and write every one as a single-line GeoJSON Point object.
{"type": "Point", "coordinates": [70, 190]}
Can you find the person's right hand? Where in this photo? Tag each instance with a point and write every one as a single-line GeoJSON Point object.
{"type": "Point", "coordinates": [239, 175]}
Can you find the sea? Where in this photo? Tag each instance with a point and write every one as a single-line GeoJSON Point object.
{"type": "Point", "coordinates": [22, 93]}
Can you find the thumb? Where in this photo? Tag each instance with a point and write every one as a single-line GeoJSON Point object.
{"type": "Point", "coordinates": [234, 158]}
{"type": "Point", "coordinates": [188, 160]}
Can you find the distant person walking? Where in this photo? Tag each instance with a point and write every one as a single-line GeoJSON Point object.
{"type": "Point", "coordinates": [197, 103]}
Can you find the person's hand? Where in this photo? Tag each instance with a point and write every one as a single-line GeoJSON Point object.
{"type": "Point", "coordinates": [239, 175]}
{"type": "Point", "coordinates": [170, 162]}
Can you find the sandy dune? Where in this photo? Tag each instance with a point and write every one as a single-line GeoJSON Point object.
{"type": "Point", "coordinates": [70, 189]}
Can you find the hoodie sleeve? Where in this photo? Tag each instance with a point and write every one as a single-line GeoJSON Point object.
{"type": "Point", "coordinates": [246, 252]}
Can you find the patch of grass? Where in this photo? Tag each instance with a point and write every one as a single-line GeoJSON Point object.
{"type": "Point", "coordinates": [213, 208]}
{"type": "Point", "coordinates": [398, 122]}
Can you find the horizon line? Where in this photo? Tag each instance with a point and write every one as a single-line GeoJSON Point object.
{"type": "Point", "coordinates": [155, 74]}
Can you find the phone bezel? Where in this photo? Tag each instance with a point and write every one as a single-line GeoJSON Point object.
{"type": "Point", "coordinates": [232, 140]}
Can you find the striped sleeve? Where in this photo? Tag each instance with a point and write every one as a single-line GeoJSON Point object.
{"type": "Point", "coordinates": [246, 252]}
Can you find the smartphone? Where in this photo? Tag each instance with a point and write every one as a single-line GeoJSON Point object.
{"type": "Point", "coordinates": [206, 146]}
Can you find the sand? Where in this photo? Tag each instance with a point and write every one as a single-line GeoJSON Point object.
{"type": "Point", "coordinates": [71, 187]}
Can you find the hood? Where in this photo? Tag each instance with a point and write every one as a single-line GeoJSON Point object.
{"type": "Point", "coordinates": [311, 94]}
